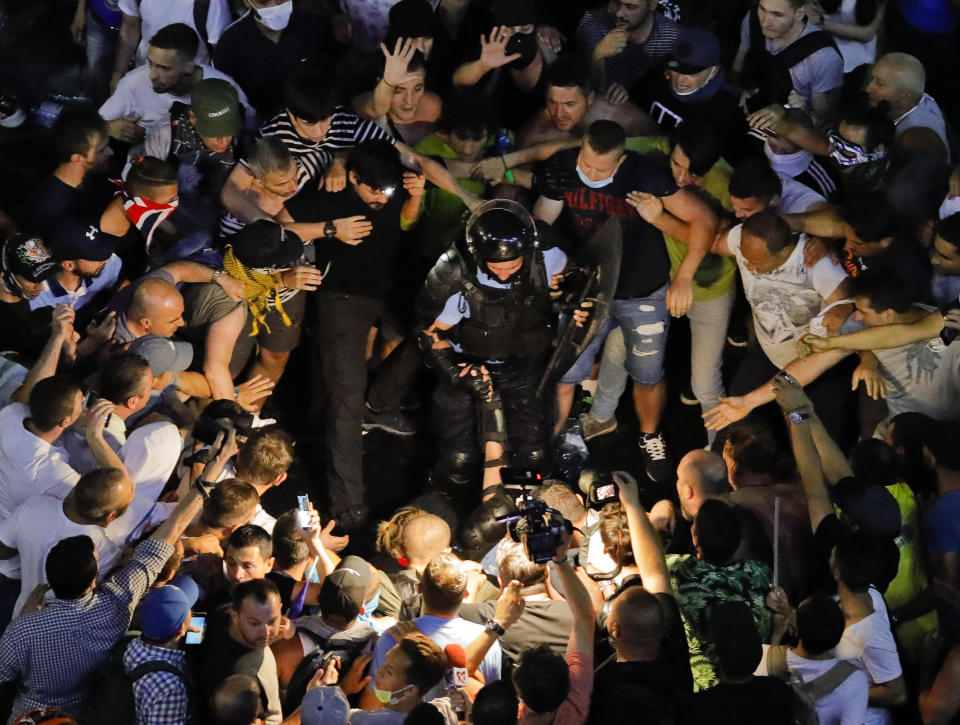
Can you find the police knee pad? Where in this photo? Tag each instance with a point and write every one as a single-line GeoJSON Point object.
{"type": "Point", "coordinates": [456, 469]}
{"type": "Point", "coordinates": [535, 459]}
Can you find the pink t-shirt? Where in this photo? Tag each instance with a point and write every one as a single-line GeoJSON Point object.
{"type": "Point", "coordinates": [574, 710]}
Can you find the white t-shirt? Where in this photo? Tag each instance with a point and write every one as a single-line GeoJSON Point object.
{"type": "Point", "coordinates": [444, 631]}
{"type": "Point", "coordinates": [29, 465]}
{"type": "Point", "coordinates": [785, 300]}
{"type": "Point", "coordinates": [35, 528]}
{"type": "Point", "coordinates": [155, 14]}
{"type": "Point", "coordinates": [53, 294]}
{"type": "Point", "coordinates": [135, 97]}
{"type": "Point", "coordinates": [846, 705]}
{"type": "Point", "coordinates": [264, 520]}
{"type": "Point", "coordinates": [869, 645]}
{"type": "Point", "coordinates": [855, 52]}
{"type": "Point", "coordinates": [797, 198]}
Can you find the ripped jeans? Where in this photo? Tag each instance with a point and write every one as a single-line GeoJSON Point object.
{"type": "Point", "coordinates": [644, 322]}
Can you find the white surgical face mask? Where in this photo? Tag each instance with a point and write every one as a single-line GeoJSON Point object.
{"type": "Point", "coordinates": [276, 17]}
{"type": "Point", "coordinates": [593, 184]}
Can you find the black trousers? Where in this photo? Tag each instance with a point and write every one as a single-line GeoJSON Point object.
{"type": "Point", "coordinates": [340, 380]}
{"type": "Point", "coordinates": [528, 418]}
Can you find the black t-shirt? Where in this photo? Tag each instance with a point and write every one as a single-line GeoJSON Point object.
{"type": "Point", "coordinates": [646, 689]}
{"type": "Point", "coordinates": [826, 536]}
{"type": "Point", "coordinates": [367, 268]}
{"type": "Point", "coordinates": [907, 259]}
{"type": "Point", "coordinates": [542, 622]}
{"type": "Point", "coordinates": [259, 65]}
{"type": "Point", "coordinates": [716, 105]}
{"type": "Point", "coordinates": [52, 200]}
{"type": "Point", "coordinates": [285, 584]}
{"type": "Point", "coordinates": [758, 701]}
{"type": "Point", "coordinates": [24, 330]}
{"type": "Point", "coordinates": [644, 267]}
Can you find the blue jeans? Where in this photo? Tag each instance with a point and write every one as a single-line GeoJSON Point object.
{"type": "Point", "coordinates": [644, 323]}
{"type": "Point", "coordinates": [708, 332]}
{"type": "Point", "coordinates": [101, 47]}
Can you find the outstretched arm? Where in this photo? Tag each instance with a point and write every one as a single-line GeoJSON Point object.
{"type": "Point", "coordinates": [644, 540]}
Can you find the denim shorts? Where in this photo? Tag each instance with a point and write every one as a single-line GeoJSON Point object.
{"type": "Point", "coordinates": [645, 322]}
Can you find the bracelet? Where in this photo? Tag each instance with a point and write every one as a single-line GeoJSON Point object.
{"type": "Point", "coordinates": [216, 274]}
{"type": "Point", "coordinates": [201, 488]}
{"type": "Point", "coordinates": [387, 84]}
{"type": "Point", "coordinates": [495, 627]}
{"type": "Point", "coordinates": [507, 173]}
{"type": "Point", "coordinates": [236, 393]}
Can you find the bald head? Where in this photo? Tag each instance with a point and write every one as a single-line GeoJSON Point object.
{"type": "Point", "coordinates": [700, 475]}
{"type": "Point", "coordinates": [636, 622]}
{"type": "Point", "coordinates": [424, 537]}
{"type": "Point", "coordinates": [156, 307]}
{"type": "Point", "coordinates": [102, 494]}
{"type": "Point", "coordinates": [897, 79]}
{"type": "Point", "coordinates": [237, 700]}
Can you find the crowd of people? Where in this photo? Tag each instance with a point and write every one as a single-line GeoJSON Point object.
{"type": "Point", "coordinates": [496, 210]}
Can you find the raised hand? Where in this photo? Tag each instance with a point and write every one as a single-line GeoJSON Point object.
{"type": "Point", "coordinates": [493, 50]}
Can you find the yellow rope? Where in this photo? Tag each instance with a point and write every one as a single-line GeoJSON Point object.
{"type": "Point", "coordinates": [257, 288]}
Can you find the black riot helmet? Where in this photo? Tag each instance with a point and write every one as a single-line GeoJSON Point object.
{"type": "Point", "coordinates": [500, 230]}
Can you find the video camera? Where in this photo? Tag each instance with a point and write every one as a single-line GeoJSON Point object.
{"type": "Point", "coordinates": [539, 528]}
{"type": "Point", "coordinates": [598, 487]}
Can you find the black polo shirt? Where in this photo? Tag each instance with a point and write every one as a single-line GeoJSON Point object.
{"type": "Point", "coordinates": [368, 268]}
{"type": "Point", "coordinates": [259, 66]}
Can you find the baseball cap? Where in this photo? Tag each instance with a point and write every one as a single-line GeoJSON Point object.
{"type": "Point", "coordinates": [79, 239]}
{"type": "Point", "coordinates": [343, 591]}
{"type": "Point", "coordinates": [872, 508]}
{"type": "Point", "coordinates": [163, 354]}
{"type": "Point", "coordinates": [324, 706]}
{"type": "Point", "coordinates": [216, 106]}
{"type": "Point", "coordinates": [265, 244]}
{"type": "Point", "coordinates": [26, 256]}
{"type": "Point", "coordinates": [696, 49]}
{"type": "Point", "coordinates": [164, 609]}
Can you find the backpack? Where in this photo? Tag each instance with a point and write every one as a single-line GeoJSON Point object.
{"type": "Point", "coordinates": [110, 699]}
{"type": "Point", "coordinates": [807, 693]}
{"type": "Point", "coordinates": [327, 648]}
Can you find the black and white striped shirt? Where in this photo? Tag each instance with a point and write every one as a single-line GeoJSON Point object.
{"type": "Point", "coordinates": [346, 131]}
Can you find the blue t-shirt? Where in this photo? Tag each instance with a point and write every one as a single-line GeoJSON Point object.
{"type": "Point", "coordinates": [942, 524]}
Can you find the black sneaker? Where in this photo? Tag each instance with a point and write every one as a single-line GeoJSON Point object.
{"type": "Point", "coordinates": [656, 460]}
{"type": "Point", "coordinates": [393, 423]}
{"type": "Point", "coordinates": [687, 397]}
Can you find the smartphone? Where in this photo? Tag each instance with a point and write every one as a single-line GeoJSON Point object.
{"type": "Point", "coordinates": [90, 398]}
{"type": "Point", "coordinates": [303, 512]}
{"type": "Point", "coordinates": [198, 620]}
{"type": "Point", "coordinates": [948, 334]}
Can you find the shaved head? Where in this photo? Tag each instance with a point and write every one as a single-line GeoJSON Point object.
{"type": "Point", "coordinates": [157, 307]}
{"type": "Point", "coordinates": [709, 470]}
{"type": "Point", "coordinates": [101, 492]}
{"type": "Point", "coordinates": [907, 71]}
{"type": "Point", "coordinates": [636, 619]}
{"type": "Point", "coordinates": [424, 537]}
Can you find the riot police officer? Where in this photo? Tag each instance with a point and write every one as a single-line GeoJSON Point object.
{"type": "Point", "coordinates": [487, 302]}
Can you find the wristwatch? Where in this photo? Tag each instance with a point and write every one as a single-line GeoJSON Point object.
{"type": "Point", "coordinates": [329, 230]}
{"type": "Point", "coordinates": [493, 626]}
{"type": "Point", "coordinates": [796, 417]}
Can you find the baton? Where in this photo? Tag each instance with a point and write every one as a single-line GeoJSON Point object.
{"type": "Point", "coordinates": [776, 541]}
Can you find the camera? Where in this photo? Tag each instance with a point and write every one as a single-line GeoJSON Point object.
{"type": "Point", "coordinates": [598, 487]}
{"type": "Point", "coordinates": [539, 528]}
{"type": "Point", "coordinates": [221, 416]}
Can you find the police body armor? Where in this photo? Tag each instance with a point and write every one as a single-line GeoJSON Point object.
{"type": "Point", "coordinates": [511, 325]}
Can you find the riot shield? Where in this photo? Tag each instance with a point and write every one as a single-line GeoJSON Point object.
{"type": "Point", "coordinates": [599, 258]}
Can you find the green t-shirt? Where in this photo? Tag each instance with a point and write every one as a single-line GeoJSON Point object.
{"type": "Point", "coordinates": [715, 276]}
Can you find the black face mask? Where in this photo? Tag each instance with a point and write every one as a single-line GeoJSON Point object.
{"type": "Point", "coordinates": [526, 45]}
{"type": "Point", "coordinates": [864, 178]}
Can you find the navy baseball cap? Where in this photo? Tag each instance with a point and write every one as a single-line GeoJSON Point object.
{"type": "Point", "coordinates": [164, 609]}
{"type": "Point", "coordinates": [696, 50]}
{"type": "Point", "coordinates": [79, 239]}
{"type": "Point", "coordinates": [264, 244]}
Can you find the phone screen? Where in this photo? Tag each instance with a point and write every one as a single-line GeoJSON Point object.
{"type": "Point", "coordinates": [198, 621]}
{"type": "Point", "coordinates": [605, 492]}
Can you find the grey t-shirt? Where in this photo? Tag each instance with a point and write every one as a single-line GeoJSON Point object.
{"type": "Point", "coordinates": [546, 622]}
{"type": "Point", "coordinates": [923, 377]}
{"type": "Point", "coordinates": [819, 72]}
